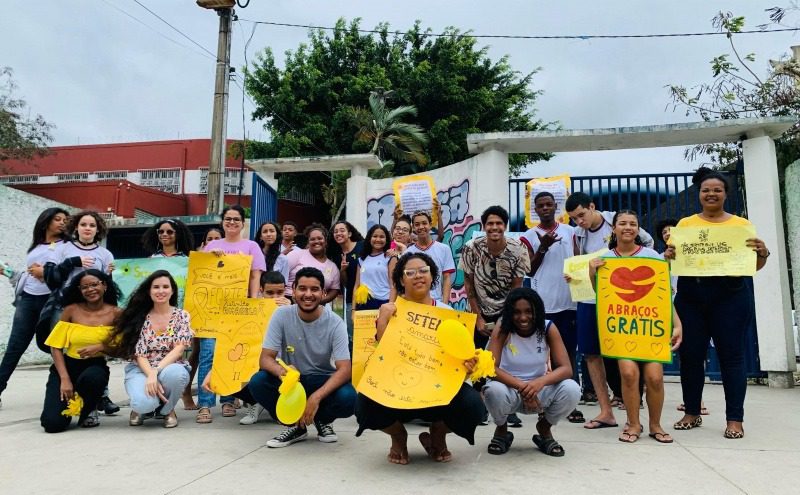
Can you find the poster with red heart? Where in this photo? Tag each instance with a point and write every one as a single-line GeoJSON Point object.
{"type": "Point", "coordinates": [634, 309]}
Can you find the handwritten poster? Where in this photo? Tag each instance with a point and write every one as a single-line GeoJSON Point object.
{"type": "Point", "coordinates": [409, 369]}
{"type": "Point", "coordinates": [577, 267]}
{"type": "Point", "coordinates": [364, 342]}
{"type": "Point", "coordinates": [713, 251]}
{"type": "Point", "coordinates": [239, 331]}
{"type": "Point", "coordinates": [634, 309]}
{"type": "Point", "coordinates": [415, 193]}
{"type": "Point", "coordinates": [130, 273]}
{"type": "Point", "coordinates": [211, 280]}
{"type": "Point", "coordinates": [559, 186]}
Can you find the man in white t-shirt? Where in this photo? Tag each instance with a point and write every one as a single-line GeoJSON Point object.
{"type": "Point", "coordinates": [592, 233]}
{"type": "Point", "coordinates": [549, 244]}
{"type": "Point", "coordinates": [439, 253]}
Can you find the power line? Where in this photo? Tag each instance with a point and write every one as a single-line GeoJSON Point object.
{"type": "Point", "coordinates": [176, 29]}
{"type": "Point", "coordinates": [528, 37]}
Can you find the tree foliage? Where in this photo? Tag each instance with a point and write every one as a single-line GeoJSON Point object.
{"type": "Point", "coordinates": [740, 89]}
{"type": "Point", "coordinates": [22, 137]}
{"type": "Point", "coordinates": [307, 105]}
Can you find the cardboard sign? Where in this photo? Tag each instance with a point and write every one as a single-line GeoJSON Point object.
{"type": "Point", "coordinates": [129, 274]}
{"type": "Point", "coordinates": [559, 186]}
{"type": "Point", "coordinates": [211, 280]}
{"type": "Point", "coordinates": [364, 342]}
{"type": "Point", "coordinates": [416, 193]}
{"type": "Point", "coordinates": [240, 330]}
{"type": "Point", "coordinates": [634, 309]}
{"type": "Point", "coordinates": [713, 251]}
{"type": "Point", "coordinates": [409, 369]}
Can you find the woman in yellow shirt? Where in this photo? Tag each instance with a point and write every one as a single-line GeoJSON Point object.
{"type": "Point", "coordinates": [719, 308]}
{"type": "Point", "coordinates": [77, 343]}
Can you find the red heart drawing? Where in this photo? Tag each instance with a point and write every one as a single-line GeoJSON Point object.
{"type": "Point", "coordinates": [630, 282]}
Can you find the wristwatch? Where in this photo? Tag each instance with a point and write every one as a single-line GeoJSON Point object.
{"type": "Point", "coordinates": [765, 256]}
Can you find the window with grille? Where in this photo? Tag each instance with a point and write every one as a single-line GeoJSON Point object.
{"type": "Point", "coordinates": [113, 175]}
{"type": "Point", "coordinates": [72, 177]}
{"type": "Point", "coordinates": [163, 179]}
{"type": "Point", "coordinates": [19, 179]}
{"type": "Point", "coordinates": [231, 180]}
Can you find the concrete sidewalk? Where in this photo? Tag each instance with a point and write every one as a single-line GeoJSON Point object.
{"type": "Point", "coordinates": [224, 457]}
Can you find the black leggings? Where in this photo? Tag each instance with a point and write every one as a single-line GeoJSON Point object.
{"type": "Point", "coordinates": [89, 377]}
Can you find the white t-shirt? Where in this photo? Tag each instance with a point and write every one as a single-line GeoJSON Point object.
{"type": "Point", "coordinates": [598, 239]}
{"type": "Point", "coordinates": [548, 280]}
{"type": "Point", "coordinates": [41, 254]}
{"type": "Point", "coordinates": [443, 257]}
{"type": "Point", "coordinates": [102, 257]}
{"type": "Point", "coordinates": [375, 275]}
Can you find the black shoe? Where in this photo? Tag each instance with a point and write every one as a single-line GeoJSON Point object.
{"type": "Point", "coordinates": [107, 406]}
{"type": "Point", "coordinates": [514, 421]}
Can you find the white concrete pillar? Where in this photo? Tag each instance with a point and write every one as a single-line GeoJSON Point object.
{"type": "Point", "coordinates": [791, 188]}
{"type": "Point", "coordinates": [772, 296]}
{"type": "Point", "coordinates": [490, 185]}
{"type": "Point", "coordinates": [356, 202]}
{"type": "Point", "coordinates": [268, 176]}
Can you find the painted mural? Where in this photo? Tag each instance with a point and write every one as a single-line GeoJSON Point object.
{"type": "Point", "coordinates": [458, 221]}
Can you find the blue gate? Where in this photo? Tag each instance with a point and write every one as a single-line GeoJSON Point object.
{"type": "Point", "coordinates": [263, 204]}
{"type": "Point", "coordinates": [655, 197]}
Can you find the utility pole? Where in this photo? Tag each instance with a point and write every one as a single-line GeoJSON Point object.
{"type": "Point", "coordinates": [219, 123]}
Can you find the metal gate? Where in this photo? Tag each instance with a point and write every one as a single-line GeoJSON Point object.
{"type": "Point", "coordinates": [263, 204]}
{"type": "Point", "coordinates": [655, 197]}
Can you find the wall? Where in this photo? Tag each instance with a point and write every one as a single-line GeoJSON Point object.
{"type": "Point", "coordinates": [464, 190]}
{"type": "Point", "coordinates": [20, 211]}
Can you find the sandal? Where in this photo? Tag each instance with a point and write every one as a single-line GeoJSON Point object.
{"type": "Point", "coordinates": [576, 417]}
{"type": "Point", "coordinates": [688, 425]}
{"type": "Point", "coordinates": [501, 444]}
{"type": "Point", "coordinates": [228, 410]}
{"type": "Point", "coordinates": [661, 437]}
{"type": "Point", "coordinates": [733, 434]}
{"type": "Point", "coordinates": [203, 416]}
{"type": "Point", "coordinates": [548, 445]}
{"type": "Point", "coordinates": [628, 436]}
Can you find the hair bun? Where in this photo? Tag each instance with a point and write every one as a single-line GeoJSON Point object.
{"type": "Point", "coordinates": [700, 175]}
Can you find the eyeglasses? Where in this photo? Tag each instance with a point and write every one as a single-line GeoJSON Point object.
{"type": "Point", "coordinates": [92, 285]}
{"type": "Point", "coordinates": [231, 220]}
{"type": "Point", "coordinates": [412, 272]}
{"type": "Point", "coordinates": [402, 230]}
{"type": "Point", "coordinates": [166, 232]}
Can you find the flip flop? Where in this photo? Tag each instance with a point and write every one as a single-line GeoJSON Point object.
{"type": "Point", "coordinates": [548, 445]}
{"type": "Point", "coordinates": [661, 437]}
{"type": "Point", "coordinates": [632, 436]}
{"type": "Point", "coordinates": [599, 424]}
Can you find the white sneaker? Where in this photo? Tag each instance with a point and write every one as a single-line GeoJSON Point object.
{"type": "Point", "coordinates": [290, 435]}
{"type": "Point", "coordinates": [252, 412]}
{"type": "Point", "coordinates": [325, 432]}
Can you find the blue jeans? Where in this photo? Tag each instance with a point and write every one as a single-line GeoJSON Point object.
{"type": "Point", "coordinates": [173, 380]}
{"type": "Point", "coordinates": [721, 308]}
{"type": "Point", "coordinates": [206, 359]}
{"type": "Point", "coordinates": [339, 404]}
{"type": "Point", "coordinates": [23, 330]}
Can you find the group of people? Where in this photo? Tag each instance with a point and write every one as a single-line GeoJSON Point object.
{"type": "Point", "coordinates": [525, 317]}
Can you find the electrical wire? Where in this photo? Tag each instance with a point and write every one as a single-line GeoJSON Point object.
{"type": "Point", "coordinates": [528, 37]}
{"type": "Point", "coordinates": [175, 29]}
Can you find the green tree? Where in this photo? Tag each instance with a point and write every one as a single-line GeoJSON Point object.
{"type": "Point", "coordinates": [21, 137]}
{"type": "Point", "coordinates": [457, 89]}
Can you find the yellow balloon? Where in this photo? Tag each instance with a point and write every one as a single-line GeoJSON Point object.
{"type": "Point", "coordinates": [290, 379]}
{"type": "Point", "coordinates": [291, 405]}
{"type": "Point", "coordinates": [455, 339]}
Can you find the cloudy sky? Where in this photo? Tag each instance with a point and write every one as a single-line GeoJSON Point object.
{"type": "Point", "coordinates": [110, 71]}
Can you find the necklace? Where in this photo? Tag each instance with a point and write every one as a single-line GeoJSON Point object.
{"type": "Point", "coordinates": [85, 243]}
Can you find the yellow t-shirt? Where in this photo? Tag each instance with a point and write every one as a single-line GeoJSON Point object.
{"type": "Point", "coordinates": [73, 336]}
{"type": "Point", "coordinates": [697, 221]}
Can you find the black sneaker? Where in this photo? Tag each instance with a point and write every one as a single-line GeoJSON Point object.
{"type": "Point", "coordinates": [325, 432]}
{"type": "Point", "coordinates": [514, 421]}
{"type": "Point", "coordinates": [290, 435]}
{"type": "Point", "coordinates": [107, 406]}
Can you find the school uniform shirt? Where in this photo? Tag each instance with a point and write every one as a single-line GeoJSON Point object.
{"type": "Point", "coordinates": [548, 280]}
{"type": "Point", "coordinates": [40, 254]}
{"type": "Point", "coordinates": [493, 275]}
{"type": "Point", "coordinates": [443, 257]}
{"type": "Point", "coordinates": [374, 272]}
{"type": "Point", "coordinates": [102, 257]}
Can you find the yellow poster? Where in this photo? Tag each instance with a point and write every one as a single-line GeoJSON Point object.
{"type": "Point", "coordinates": [364, 342]}
{"type": "Point", "coordinates": [409, 369]}
{"type": "Point", "coordinates": [559, 186]}
{"type": "Point", "coordinates": [211, 280]}
{"type": "Point", "coordinates": [577, 267]}
{"type": "Point", "coordinates": [634, 309]}
{"type": "Point", "coordinates": [415, 193]}
{"type": "Point", "coordinates": [240, 328]}
{"type": "Point", "coordinates": [713, 251]}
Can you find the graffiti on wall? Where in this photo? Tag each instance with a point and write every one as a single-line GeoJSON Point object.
{"type": "Point", "coordinates": [458, 225]}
